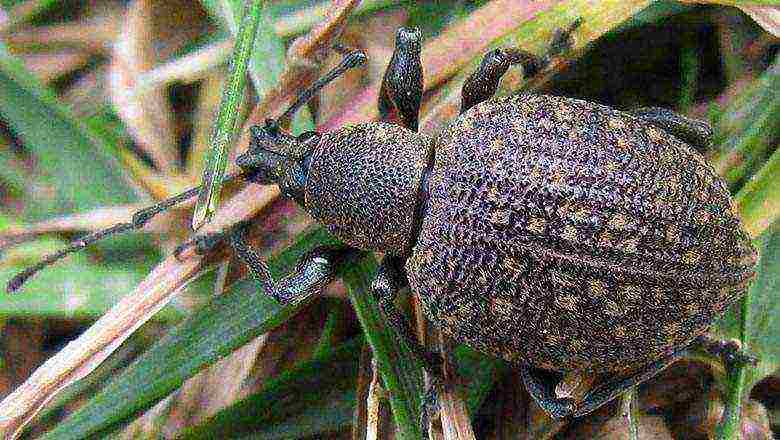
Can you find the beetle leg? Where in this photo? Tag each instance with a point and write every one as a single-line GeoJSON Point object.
{"type": "Point", "coordinates": [693, 131]}
{"type": "Point", "coordinates": [402, 85]}
{"type": "Point", "coordinates": [483, 83]}
{"type": "Point", "coordinates": [389, 279]}
{"type": "Point", "coordinates": [598, 396]}
{"type": "Point", "coordinates": [314, 270]}
{"type": "Point", "coordinates": [728, 351]}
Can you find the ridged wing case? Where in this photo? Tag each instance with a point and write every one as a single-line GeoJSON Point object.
{"type": "Point", "coordinates": [565, 234]}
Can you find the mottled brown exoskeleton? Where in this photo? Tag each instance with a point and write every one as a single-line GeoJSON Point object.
{"type": "Point", "coordinates": [590, 247]}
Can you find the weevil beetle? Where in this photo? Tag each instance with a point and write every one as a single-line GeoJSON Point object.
{"type": "Point", "coordinates": [568, 238]}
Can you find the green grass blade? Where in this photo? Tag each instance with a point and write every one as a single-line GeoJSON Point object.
{"type": "Point", "coordinates": [301, 402]}
{"type": "Point", "coordinates": [52, 292]}
{"type": "Point", "coordinates": [759, 200]}
{"type": "Point", "coordinates": [266, 62]}
{"type": "Point", "coordinates": [219, 328]}
{"type": "Point", "coordinates": [78, 169]}
{"type": "Point", "coordinates": [747, 128]}
{"type": "Point", "coordinates": [225, 129]}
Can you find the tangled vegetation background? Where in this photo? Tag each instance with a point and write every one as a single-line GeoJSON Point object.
{"type": "Point", "coordinates": [107, 106]}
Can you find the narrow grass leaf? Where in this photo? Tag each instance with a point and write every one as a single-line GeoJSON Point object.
{"type": "Point", "coordinates": [225, 128]}
{"type": "Point", "coordinates": [401, 374]}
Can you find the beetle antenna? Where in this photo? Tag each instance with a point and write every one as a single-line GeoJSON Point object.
{"type": "Point", "coordinates": [140, 218]}
{"type": "Point", "coordinates": [351, 59]}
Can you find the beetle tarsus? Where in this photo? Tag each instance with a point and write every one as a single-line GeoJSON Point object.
{"type": "Point", "coordinates": [729, 351]}
{"type": "Point", "coordinates": [695, 132]}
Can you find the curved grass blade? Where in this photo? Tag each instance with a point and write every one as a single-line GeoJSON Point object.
{"type": "Point", "coordinates": [756, 325]}
{"type": "Point", "coordinates": [225, 127]}
{"type": "Point", "coordinates": [301, 402]}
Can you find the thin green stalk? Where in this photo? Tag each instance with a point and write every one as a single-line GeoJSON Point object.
{"type": "Point", "coordinates": [731, 424]}
{"type": "Point", "coordinates": [225, 129]}
{"type": "Point", "coordinates": [690, 72]}
{"type": "Point", "coordinates": [629, 407]}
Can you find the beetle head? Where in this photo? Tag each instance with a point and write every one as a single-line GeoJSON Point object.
{"type": "Point", "coordinates": [275, 157]}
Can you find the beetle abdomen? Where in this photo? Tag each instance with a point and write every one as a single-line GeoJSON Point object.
{"type": "Point", "coordinates": [567, 234]}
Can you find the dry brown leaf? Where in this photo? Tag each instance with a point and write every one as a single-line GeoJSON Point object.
{"type": "Point", "coordinates": [373, 405]}
{"type": "Point", "coordinates": [455, 420]}
{"type": "Point", "coordinates": [148, 116]}
{"type": "Point", "coordinates": [187, 69]}
{"type": "Point", "coordinates": [444, 55]}
{"type": "Point", "coordinates": [49, 66]}
{"type": "Point", "coordinates": [90, 221]}
{"type": "Point", "coordinates": [95, 34]}
{"type": "Point", "coordinates": [766, 16]}
{"type": "Point", "coordinates": [650, 428]}
{"type": "Point", "coordinates": [85, 353]}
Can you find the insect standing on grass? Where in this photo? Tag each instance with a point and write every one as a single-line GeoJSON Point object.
{"type": "Point", "coordinates": [588, 246]}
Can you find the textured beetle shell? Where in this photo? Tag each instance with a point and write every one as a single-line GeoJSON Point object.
{"type": "Point", "coordinates": [567, 235]}
{"type": "Point", "coordinates": [363, 184]}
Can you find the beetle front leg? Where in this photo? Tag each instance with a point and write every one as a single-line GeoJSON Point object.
{"type": "Point", "coordinates": [597, 397]}
{"type": "Point", "coordinates": [693, 131]}
{"type": "Point", "coordinates": [314, 270]}
{"type": "Point", "coordinates": [483, 83]}
{"type": "Point", "coordinates": [402, 85]}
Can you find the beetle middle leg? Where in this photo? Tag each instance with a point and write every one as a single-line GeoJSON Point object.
{"type": "Point", "coordinates": [539, 389]}
{"type": "Point", "coordinates": [402, 85]}
{"type": "Point", "coordinates": [693, 131]}
{"type": "Point", "coordinates": [483, 83]}
{"type": "Point", "coordinates": [388, 281]}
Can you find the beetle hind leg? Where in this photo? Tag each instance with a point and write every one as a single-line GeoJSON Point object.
{"type": "Point", "coordinates": [483, 83]}
{"type": "Point", "coordinates": [728, 351]}
{"type": "Point", "coordinates": [693, 131]}
{"type": "Point", "coordinates": [538, 387]}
